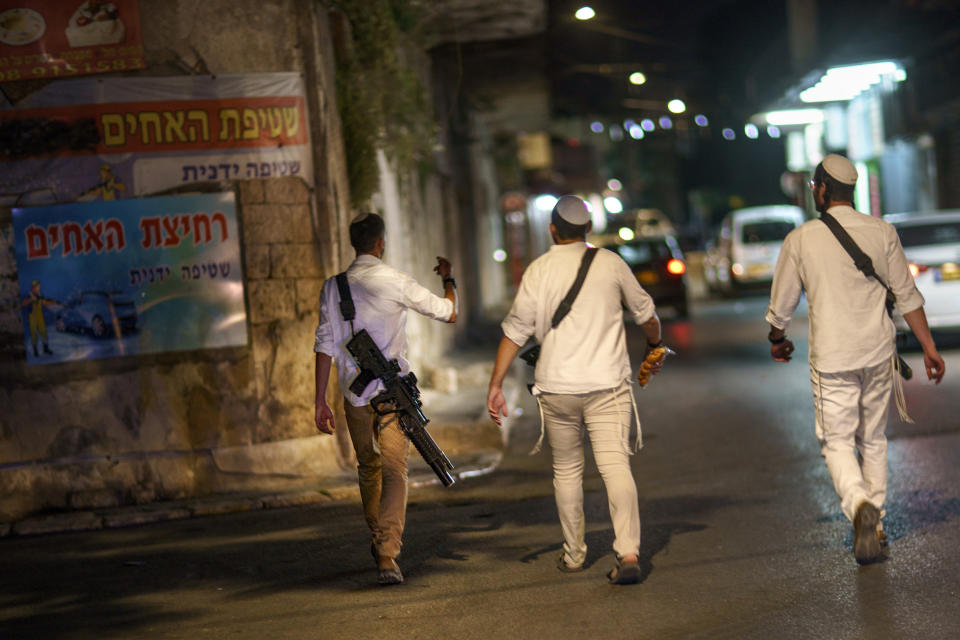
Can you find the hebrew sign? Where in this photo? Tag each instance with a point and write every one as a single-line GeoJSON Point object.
{"type": "Point", "coordinates": [115, 138]}
{"type": "Point", "coordinates": [133, 276]}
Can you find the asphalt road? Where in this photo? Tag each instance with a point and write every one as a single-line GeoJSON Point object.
{"type": "Point", "coordinates": [742, 534]}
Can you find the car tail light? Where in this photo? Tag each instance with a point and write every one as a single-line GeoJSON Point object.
{"type": "Point", "coordinates": [676, 267]}
{"type": "Point", "coordinates": [917, 269]}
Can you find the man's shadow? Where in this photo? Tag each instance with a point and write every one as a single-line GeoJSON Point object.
{"type": "Point", "coordinates": [659, 522]}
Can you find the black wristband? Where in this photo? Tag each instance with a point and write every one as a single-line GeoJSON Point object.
{"type": "Point", "coordinates": [451, 281]}
{"type": "Point", "coordinates": [779, 340]}
{"type": "Point", "coordinates": [654, 346]}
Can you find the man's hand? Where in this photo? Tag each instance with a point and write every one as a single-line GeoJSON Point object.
{"type": "Point", "coordinates": [934, 364]}
{"type": "Point", "coordinates": [324, 418]}
{"type": "Point", "coordinates": [917, 321]}
{"type": "Point", "coordinates": [443, 268]}
{"type": "Point", "coordinates": [496, 404]}
{"type": "Point", "coordinates": [655, 367]}
{"type": "Point", "coordinates": [781, 352]}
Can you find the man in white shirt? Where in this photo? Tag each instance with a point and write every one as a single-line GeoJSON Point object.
{"type": "Point", "coordinates": [381, 296]}
{"type": "Point", "coordinates": [582, 378]}
{"type": "Point", "coordinates": [852, 352]}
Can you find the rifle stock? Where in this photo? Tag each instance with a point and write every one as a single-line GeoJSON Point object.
{"type": "Point", "coordinates": [400, 396]}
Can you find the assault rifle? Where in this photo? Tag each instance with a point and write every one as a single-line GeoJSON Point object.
{"type": "Point", "coordinates": [401, 396]}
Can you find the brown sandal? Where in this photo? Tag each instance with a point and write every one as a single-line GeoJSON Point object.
{"type": "Point", "coordinates": [389, 575]}
{"type": "Point", "coordinates": [624, 573]}
{"type": "Point", "coordinates": [565, 568]}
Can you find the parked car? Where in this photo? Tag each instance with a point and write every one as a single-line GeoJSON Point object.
{"type": "Point", "coordinates": [716, 265]}
{"type": "Point", "coordinates": [746, 250]}
{"type": "Point", "coordinates": [658, 264]}
{"type": "Point", "coordinates": [94, 312]}
{"type": "Point", "coordinates": [652, 222]}
{"type": "Point", "coordinates": [931, 242]}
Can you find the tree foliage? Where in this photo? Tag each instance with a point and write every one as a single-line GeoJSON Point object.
{"type": "Point", "coordinates": [382, 99]}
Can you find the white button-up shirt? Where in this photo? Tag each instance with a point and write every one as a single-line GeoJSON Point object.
{"type": "Point", "coordinates": [849, 325]}
{"type": "Point", "coordinates": [381, 295]}
{"type": "Point", "coordinates": [588, 349]}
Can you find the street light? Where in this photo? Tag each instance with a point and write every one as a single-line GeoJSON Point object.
{"type": "Point", "coordinates": [637, 78]}
{"type": "Point", "coordinates": [676, 106]}
{"type": "Point", "coordinates": [613, 204]}
{"type": "Point", "coordinates": [840, 84]}
{"type": "Point", "coordinates": [788, 117]}
{"type": "Point", "coordinates": [585, 13]}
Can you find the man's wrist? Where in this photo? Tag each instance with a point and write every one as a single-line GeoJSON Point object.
{"type": "Point", "coordinates": [451, 280]}
{"type": "Point", "coordinates": [654, 345]}
{"type": "Point", "coordinates": [775, 339]}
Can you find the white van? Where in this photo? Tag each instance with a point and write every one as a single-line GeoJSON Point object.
{"type": "Point", "coordinates": [749, 245]}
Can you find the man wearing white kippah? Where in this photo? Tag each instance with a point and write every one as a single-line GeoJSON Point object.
{"type": "Point", "coordinates": [853, 362]}
{"type": "Point", "coordinates": [381, 296]}
{"type": "Point", "coordinates": [582, 378]}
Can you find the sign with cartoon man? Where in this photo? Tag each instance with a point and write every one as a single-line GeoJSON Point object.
{"type": "Point", "coordinates": [131, 276]}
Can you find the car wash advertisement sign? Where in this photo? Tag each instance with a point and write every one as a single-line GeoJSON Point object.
{"type": "Point", "coordinates": [64, 38]}
{"type": "Point", "coordinates": [129, 277]}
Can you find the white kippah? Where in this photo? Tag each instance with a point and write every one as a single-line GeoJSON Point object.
{"type": "Point", "coordinates": [360, 217]}
{"type": "Point", "coordinates": [573, 210]}
{"type": "Point", "coordinates": [840, 169]}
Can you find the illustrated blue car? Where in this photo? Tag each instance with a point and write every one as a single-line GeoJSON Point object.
{"type": "Point", "coordinates": [97, 313]}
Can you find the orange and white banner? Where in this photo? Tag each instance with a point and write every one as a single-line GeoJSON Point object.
{"type": "Point", "coordinates": [114, 138]}
{"type": "Point", "coordinates": [64, 38]}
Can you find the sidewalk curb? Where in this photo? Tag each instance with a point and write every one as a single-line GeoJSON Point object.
{"type": "Point", "coordinates": [481, 463]}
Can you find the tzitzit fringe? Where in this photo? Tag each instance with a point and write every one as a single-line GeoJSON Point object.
{"type": "Point", "coordinates": [898, 394]}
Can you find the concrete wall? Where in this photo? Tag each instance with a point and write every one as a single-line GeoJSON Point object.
{"type": "Point", "coordinates": [147, 428]}
{"type": "Point", "coordinates": [166, 426]}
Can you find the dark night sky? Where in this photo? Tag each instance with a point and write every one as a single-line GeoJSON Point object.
{"type": "Point", "coordinates": [727, 59]}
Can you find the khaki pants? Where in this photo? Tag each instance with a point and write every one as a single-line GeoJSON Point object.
{"type": "Point", "coordinates": [381, 451]}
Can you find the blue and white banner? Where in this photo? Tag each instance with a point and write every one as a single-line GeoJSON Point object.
{"type": "Point", "coordinates": [127, 277]}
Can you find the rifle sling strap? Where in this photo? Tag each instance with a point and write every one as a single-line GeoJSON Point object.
{"type": "Point", "coordinates": [564, 308]}
{"type": "Point", "coordinates": [347, 309]}
{"type": "Point", "coordinates": [860, 259]}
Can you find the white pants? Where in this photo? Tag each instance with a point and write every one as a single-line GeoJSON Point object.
{"type": "Point", "coordinates": [851, 414]}
{"type": "Point", "coordinates": [606, 416]}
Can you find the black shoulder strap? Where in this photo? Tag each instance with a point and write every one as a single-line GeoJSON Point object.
{"type": "Point", "coordinates": [860, 259]}
{"type": "Point", "coordinates": [564, 308]}
{"type": "Point", "coordinates": [347, 310]}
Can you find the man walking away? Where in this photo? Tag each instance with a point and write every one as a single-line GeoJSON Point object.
{"type": "Point", "coordinates": [381, 297]}
{"type": "Point", "coordinates": [582, 378]}
{"type": "Point", "coordinates": [853, 361]}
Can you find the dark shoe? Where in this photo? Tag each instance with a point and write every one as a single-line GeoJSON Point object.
{"type": "Point", "coordinates": [624, 573]}
{"type": "Point", "coordinates": [373, 551]}
{"type": "Point", "coordinates": [565, 568]}
{"type": "Point", "coordinates": [866, 542]}
{"type": "Point", "coordinates": [46, 349]}
{"type": "Point", "coordinates": [390, 575]}
{"type": "Point", "coordinates": [35, 354]}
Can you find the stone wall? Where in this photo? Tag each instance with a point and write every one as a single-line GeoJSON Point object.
{"type": "Point", "coordinates": [139, 429]}
{"type": "Point", "coordinates": [164, 426]}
